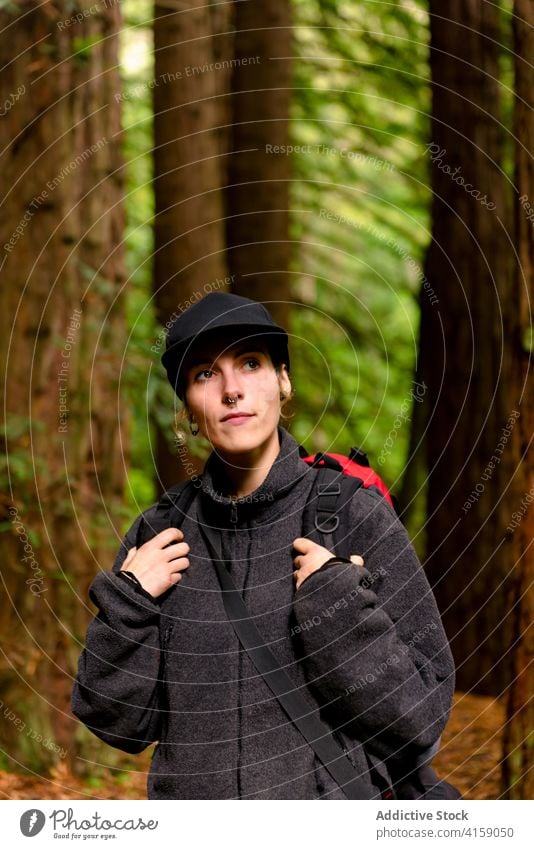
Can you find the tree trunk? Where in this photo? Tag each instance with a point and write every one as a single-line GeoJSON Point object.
{"type": "Point", "coordinates": [62, 336]}
{"type": "Point", "coordinates": [518, 776]}
{"type": "Point", "coordinates": [191, 79]}
{"type": "Point", "coordinates": [259, 165]}
{"type": "Point", "coordinates": [412, 487]}
{"type": "Point", "coordinates": [465, 347]}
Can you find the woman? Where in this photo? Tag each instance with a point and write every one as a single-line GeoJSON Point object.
{"type": "Point", "coordinates": [361, 639]}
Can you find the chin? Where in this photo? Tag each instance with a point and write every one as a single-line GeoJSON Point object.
{"type": "Point", "coordinates": [238, 441]}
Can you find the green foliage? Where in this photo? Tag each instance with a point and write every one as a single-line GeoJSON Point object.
{"type": "Point", "coordinates": [360, 218]}
{"type": "Point", "coordinates": [141, 377]}
{"type": "Point", "coordinates": [51, 50]}
{"type": "Point", "coordinates": [82, 47]}
{"type": "Point", "coordinates": [506, 83]}
{"type": "Point", "coordinates": [360, 215]}
{"type": "Point", "coordinates": [19, 426]}
{"type": "Point", "coordinates": [146, 389]}
{"type": "Point", "coordinates": [18, 463]}
{"type": "Point", "coordinates": [94, 783]}
{"type": "Point", "coordinates": [10, 7]}
{"type": "Point", "coordinates": [99, 284]}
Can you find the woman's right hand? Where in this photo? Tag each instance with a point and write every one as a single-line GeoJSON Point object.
{"type": "Point", "coordinates": [155, 566]}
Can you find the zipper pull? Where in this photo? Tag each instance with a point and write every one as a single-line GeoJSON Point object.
{"type": "Point", "coordinates": [233, 512]}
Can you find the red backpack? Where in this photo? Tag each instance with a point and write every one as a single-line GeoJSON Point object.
{"type": "Point", "coordinates": [356, 465]}
{"type": "Point", "coordinates": [338, 478]}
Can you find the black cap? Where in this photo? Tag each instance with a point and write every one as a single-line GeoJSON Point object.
{"type": "Point", "coordinates": [215, 311]}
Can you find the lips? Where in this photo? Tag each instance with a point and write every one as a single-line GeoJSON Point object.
{"type": "Point", "coordinates": [236, 415]}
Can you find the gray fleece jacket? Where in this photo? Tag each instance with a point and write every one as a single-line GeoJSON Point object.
{"type": "Point", "coordinates": [365, 644]}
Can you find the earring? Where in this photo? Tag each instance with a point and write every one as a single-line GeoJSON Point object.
{"type": "Point", "coordinates": [180, 437]}
{"type": "Point", "coordinates": [195, 426]}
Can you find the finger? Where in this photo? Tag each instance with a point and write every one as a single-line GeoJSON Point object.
{"type": "Point", "coordinates": [298, 561]}
{"type": "Point", "coordinates": [302, 544]}
{"type": "Point", "coordinates": [357, 559]}
{"type": "Point", "coordinates": [166, 537]}
{"type": "Point", "coordinates": [175, 551]}
{"type": "Point", "coordinates": [180, 565]}
{"type": "Point", "coordinates": [299, 579]}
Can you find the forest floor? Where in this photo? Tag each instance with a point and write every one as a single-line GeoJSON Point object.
{"type": "Point", "coordinates": [469, 758]}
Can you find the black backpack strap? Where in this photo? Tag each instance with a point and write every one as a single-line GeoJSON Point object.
{"type": "Point", "coordinates": [316, 733]}
{"type": "Point", "coordinates": [325, 516]}
{"type": "Point", "coordinates": [359, 456]}
{"type": "Point", "coordinates": [170, 511]}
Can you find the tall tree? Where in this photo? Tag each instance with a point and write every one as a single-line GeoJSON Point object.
{"type": "Point", "coordinates": [221, 99]}
{"type": "Point", "coordinates": [359, 213]}
{"type": "Point", "coordinates": [259, 166]}
{"type": "Point", "coordinates": [191, 77]}
{"type": "Point", "coordinates": [62, 337]}
{"type": "Point", "coordinates": [518, 775]}
{"type": "Point", "coordinates": [465, 346]}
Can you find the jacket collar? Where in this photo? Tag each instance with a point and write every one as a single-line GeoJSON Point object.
{"type": "Point", "coordinates": [287, 470]}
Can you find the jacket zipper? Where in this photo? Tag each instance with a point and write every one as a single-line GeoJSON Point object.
{"type": "Point", "coordinates": [164, 643]}
{"type": "Point", "coordinates": [163, 679]}
{"type": "Point", "coordinates": [233, 512]}
{"type": "Point", "coordinates": [233, 519]}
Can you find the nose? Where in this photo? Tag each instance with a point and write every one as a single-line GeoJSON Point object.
{"type": "Point", "coordinates": [231, 382]}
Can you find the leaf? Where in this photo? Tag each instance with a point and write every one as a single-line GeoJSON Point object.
{"type": "Point", "coordinates": [82, 47]}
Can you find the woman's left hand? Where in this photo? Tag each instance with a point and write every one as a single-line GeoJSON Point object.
{"type": "Point", "coordinates": [311, 557]}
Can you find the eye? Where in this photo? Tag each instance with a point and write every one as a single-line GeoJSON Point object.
{"type": "Point", "coordinates": [252, 360]}
{"type": "Point", "coordinates": [198, 376]}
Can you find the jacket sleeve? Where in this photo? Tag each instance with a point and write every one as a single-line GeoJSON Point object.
{"type": "Point", "coordinates": [116, 691]}
{"type": "Point", "coordinates": [374, 649]}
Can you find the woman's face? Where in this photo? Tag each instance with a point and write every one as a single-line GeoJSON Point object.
{"type": "Point", "coordinates": [241, 370]}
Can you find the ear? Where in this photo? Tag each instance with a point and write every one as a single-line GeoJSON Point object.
{"type": "Point", "coordinates": [284, 381]}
